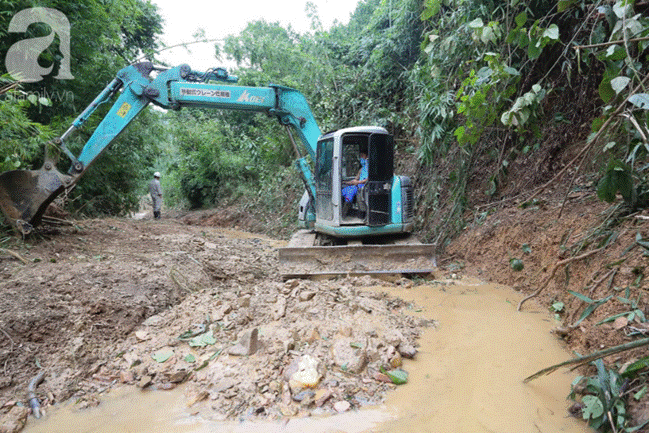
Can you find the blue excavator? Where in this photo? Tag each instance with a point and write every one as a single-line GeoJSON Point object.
{"type": "Point", "coordinates": [376, 224]}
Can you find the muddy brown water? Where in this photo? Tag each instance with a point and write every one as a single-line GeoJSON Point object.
{"type": "Point", "coordinates": [467, 378]}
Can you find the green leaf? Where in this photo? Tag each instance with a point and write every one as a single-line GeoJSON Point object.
{"type": "Point", "coordinates": [203, 340]}
{"type": "Point", "coordinates": [398, 377]}
{"type": "Point", "coordinates": [476, 23]}
{"type": "Point", "coordinates": [636, 367]}
{"type": "Point", "coordinates": [516, 264]}
{"type": "Point", "coordinates": [620, 83]}
{"type": "Point", "coordinates": [640, 100]}
{"type": "Point", "coordinates": [565, 4]}
{"type": "Point", "coordinates": [162, 355]}
{"type": "Point", "coordinates": [521, 19]}
{"type": "Point", "coordinates": [431, 9]}
{"type": "Point", "coordinates": [558, 307]}
{"type": "Point", "coordinates": [641, 242]}
{"type": "Point", "coordinates": [591, 308]}
{"type": "Point", "coordinates": [582, 297]}
{"type": "Point", "coordinates": [596, 125]}
{"type": "Point", "coordinates": [534, 49]}
{"type": "Point", "coordinates": [618, 177]}
{"type": "Point", "coordinates": [638, 395]}
{"type": "Point", "coordinates": [552, 32]}
{"type": "Point", "coordinates": [606, 92]}
{"type": "Point", "coordinates": [610, 145]}
{"type": "Point", "coordinates": [190, 358]}
{"type": "Point", "coordinates": [606, 190]}
{"type": "Point", "coordinates": [593, 407]}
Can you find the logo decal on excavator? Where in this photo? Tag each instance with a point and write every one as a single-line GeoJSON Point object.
{"type": "Point", "coordinates": [123, 110]}
{"type": "Point", "coordinates": [246, 97]}
{"type": "Point", "coordinates": [207, 93]}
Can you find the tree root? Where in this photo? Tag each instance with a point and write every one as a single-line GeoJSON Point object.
{"type": "Point", "coordinates": [554, 271]}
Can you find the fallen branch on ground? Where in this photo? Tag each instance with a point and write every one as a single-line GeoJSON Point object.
{"type": "Point", "coordinates": [14, 254]}
{"type": "Point", "coordinates": [554, 271]}
{"type": "Point", "coordinates": [588, 358]}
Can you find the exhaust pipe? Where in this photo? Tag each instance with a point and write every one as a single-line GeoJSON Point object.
{"type": "Point", "coordinates": [26, 194]}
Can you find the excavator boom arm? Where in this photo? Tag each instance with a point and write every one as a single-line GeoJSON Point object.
{"type": "Point", "coordinates": [24, 195]}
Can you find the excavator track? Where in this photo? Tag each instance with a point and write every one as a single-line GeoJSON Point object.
{"type": "Point", "coordinates": [405, 257]}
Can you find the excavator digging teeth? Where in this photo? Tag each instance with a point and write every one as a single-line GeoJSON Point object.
{"type": "Point", "coordinates": [25, 195]}
{"type": "Point", "coordinates": [408, 259]}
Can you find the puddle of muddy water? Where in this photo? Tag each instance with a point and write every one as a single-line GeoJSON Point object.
{"type": "Point", "coordinates": [467, 378]}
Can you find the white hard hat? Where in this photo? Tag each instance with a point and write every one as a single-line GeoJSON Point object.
{"type": "Point", "coordinates": [156, 174]}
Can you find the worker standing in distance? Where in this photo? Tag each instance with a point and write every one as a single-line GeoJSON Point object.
{"type": "Point", "coordinates": [156, 194]}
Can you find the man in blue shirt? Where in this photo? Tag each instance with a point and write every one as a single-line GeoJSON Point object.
{"type": "Point", "coordinates": [356, 184]}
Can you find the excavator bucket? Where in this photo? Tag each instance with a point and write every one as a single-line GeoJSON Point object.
{"type": "Point", "coordinates": [406, 258]}
{"type": "Point", "coordinates": [25, 195]}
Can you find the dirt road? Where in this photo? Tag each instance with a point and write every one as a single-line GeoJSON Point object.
{"type": "Point", "coordinates": [155, 304]}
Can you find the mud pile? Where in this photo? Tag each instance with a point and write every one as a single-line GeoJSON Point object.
{"type": "Point", "coordinates": [108, 302]}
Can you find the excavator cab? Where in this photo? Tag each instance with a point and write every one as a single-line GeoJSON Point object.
{"type": "Point", "coordinates": [375, 208]}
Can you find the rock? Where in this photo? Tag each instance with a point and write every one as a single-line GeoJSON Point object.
{"type": "Point", "coordinates": [126, 377]}
{"type": "Point", "coordinates": [145, 381]}
{"type": "Point", "coordinates": [154, 321]}
{"type": "Point", "coordinates": [306, 295]}
{"type": "Point", "coordinates": [348, 358]}
{"type": "Point", "coordinates": [290, 285]}
{"type": "Point", "coordinates": [244, 301]}
{"type": "Point", "coordinates": [396, 360]}
{"type": "Point", "coordinates": [14, 421]}
{"type": "Point", "coordinates": [222, 312]}
{"type": "Point", "coordinates": [287, 410]}
{"type": "Point", "coordinates": [302, 395]}
{"type": "Point", "coordinates": [345, 331]}
{"type": "Point", "coordinates": [307, 374]}
{"type": "Point", "coordinates": [394, 338]}
{"type": "Point", "coordinates": [321, 396]}
{"type": "Point", "coordinates": [224, 384]}
{"type": "Point", "coordinates": [406, 350]}
{"type": "Point", "coordinates": [247, 345]}
{"type": "Point", "coordinates": [342, 406]}
{"type": "Point", "coordinates": [280, 308]}
{"type": "Point", "coordinates": [620, 323]}
{"type": "Point", "coordinates": [197, 398]}
{"type": "Point", "coordinates": [141, 335]}
{"type": "Point", "coordinates": [275, 386]}
{"type": "Point", "coordinates": [178, 376]}
{"type": "Point", "coordinates": [313, 336]}
{"type": "Point", "coordinates": [380, 377]}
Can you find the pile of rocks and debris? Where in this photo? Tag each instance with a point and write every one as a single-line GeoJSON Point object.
{"type": "Point", "coordinates": [113, 302]}
{"type": "Point", "coordinates": [274, 349]}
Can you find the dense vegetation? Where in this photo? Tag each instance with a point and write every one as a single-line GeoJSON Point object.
{"type": "Point", "coordinates": [473, 90]}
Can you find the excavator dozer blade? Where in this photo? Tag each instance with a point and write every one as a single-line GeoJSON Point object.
{"type": "Point", "coordinates": [406, 259]}
{"type": "Point", "coordinates": [25, 195]}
